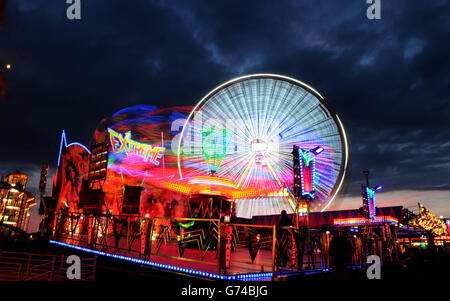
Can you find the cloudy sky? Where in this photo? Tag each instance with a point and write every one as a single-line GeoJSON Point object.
{"type": "Point", "coordinates": [388, 79]}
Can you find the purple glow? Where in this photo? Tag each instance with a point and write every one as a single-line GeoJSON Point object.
{"type": "Point", "coordinates": [378, 188]}
{"type": "Point", "coordinates": [317, 150]}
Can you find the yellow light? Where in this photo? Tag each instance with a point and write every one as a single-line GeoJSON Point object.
{"type": "Point", "coordinates": [12, 207]}
{"type": "Point", "coordinates": [246, 171]}
{"type": "Point", "coordinates": [8, 66]}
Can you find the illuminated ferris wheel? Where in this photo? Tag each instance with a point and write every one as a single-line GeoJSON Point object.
{"type": "Point", "coordinates": [245, 131]}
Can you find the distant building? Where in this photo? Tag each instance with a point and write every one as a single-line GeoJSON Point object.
{"type": "Point", "coordinates": [15, 201]}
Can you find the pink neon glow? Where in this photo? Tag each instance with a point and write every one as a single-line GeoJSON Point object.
{"type": "Point", "coordinates": [213, 181]}
{"type": "Point", "coordinates": [361, 220]}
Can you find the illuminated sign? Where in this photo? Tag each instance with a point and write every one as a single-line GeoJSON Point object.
{"type": "Point", "coordinates": [302, 208]}
{"type": "Point", "coordinates": [369, 202]}
{"type": "Point", "coordinates": [359, 221]}
{"type": "Point", "coordinates": [307, 173]}
{"type": "Point", "coordinates": [124, 144]}
{"type": "Point", "coordinates": [215, 141]}
{"type": "Point", "coordinates": [228, 237]}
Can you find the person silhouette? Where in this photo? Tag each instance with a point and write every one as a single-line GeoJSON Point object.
{"type": "Point", "coordinates": [283, 235]}
{"type": "Point", "coordinates": [341, 251]}
{"type": "Point", "coordinates": [285, 221]}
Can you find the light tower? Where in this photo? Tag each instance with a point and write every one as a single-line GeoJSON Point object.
{"type": "Point", "coordinates": [368, 196]}
{"type": "Point", "coordinates": [304, 180]}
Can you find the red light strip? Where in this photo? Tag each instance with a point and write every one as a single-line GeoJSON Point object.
{"type": "Point", "coordinates": [362, 221]}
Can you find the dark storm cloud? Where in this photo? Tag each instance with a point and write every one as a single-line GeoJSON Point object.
{"type": "Point", "coordinates": [388, 79]}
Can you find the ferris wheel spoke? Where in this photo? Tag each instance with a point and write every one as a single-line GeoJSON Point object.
{"type": "Point", "coordinates": [244, 174]}
{"type": "Point", "coordinates": [281, 106]}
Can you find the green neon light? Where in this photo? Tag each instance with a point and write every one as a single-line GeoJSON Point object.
{"type": "Point", "coordinates": [215, 141]}
{"type": "Point", "coordinates": [186, 225]}
{"type": "Point", "coordinates": [306, 156]}
{"type": "Point", "coordinates": [370, 193]}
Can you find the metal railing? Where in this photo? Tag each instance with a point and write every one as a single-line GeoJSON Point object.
{"type": "Point", "coordinates": [201, 244]}
{"type": "Point", "coordinates": [20, 266]}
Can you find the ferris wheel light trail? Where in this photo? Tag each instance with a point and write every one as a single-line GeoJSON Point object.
{"type": "Point", "coordinates": [345, 164]}
{"type": "Point", "coordinates": [251, 124]}
{"type": "Point", "coordinates": [245, 171]}
{"type": "Point", "coordinates": [279, 182]}
{"type": "Point", "coordinates": [218, 88]}
{"type": "Point", "coordinates": [273, 172]}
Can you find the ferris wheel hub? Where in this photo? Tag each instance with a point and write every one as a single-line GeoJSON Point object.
{"type": "Point", "coordinates": [259, 146]}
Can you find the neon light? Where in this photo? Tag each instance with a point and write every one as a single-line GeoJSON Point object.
{"type": "Point", "coordinates": [214, 146]}
{"type": "Point", "coordinates": [64, 142]}
{"type": "Point", "coordinates": [124, 144]}
{"type": "Point", "coordinates": [9, 223]}
{"type": "Point", "coordinates": [63, 138]}
{"type": "Point", "coordinates": [273, 172]}
{"type": "Point", "coordinates": [377, 188]}
{"type": "Point", "coordinates": [246, 171]}
{"type": "Point", "coordinates": [213, 181]}
{"type": "Point", "coordinates": [345, 166]}
{"type": "Point", "coordinates": [306, 156]}
{"type": "Point", "coordinates": [363, 221]}
{"type": "Point", "coordinates": [13, 207]}
{"type": "Point", "coordinates": [370, 199]}
{"type": "Point", "coordinates": [253, 276]}
{"type": "Point", "coordinates": [307, 173]}
{"type": "Point", "coordinates": [317, 150]}
{"type": "Point", "coordinates": [291, 202]}
{"type": "Point", "coordinates": [303, 209]}
{"type": "Point", "coordinates": [228, 237]}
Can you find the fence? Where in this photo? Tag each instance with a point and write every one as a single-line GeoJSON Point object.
{"type": "Point", "coordinates": [208, 245]}
{"type": "Point", "coordinates": [19, 266]}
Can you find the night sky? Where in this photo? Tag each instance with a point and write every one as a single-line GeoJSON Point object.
{"type": "Point", "coordinates": [388, 79]}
